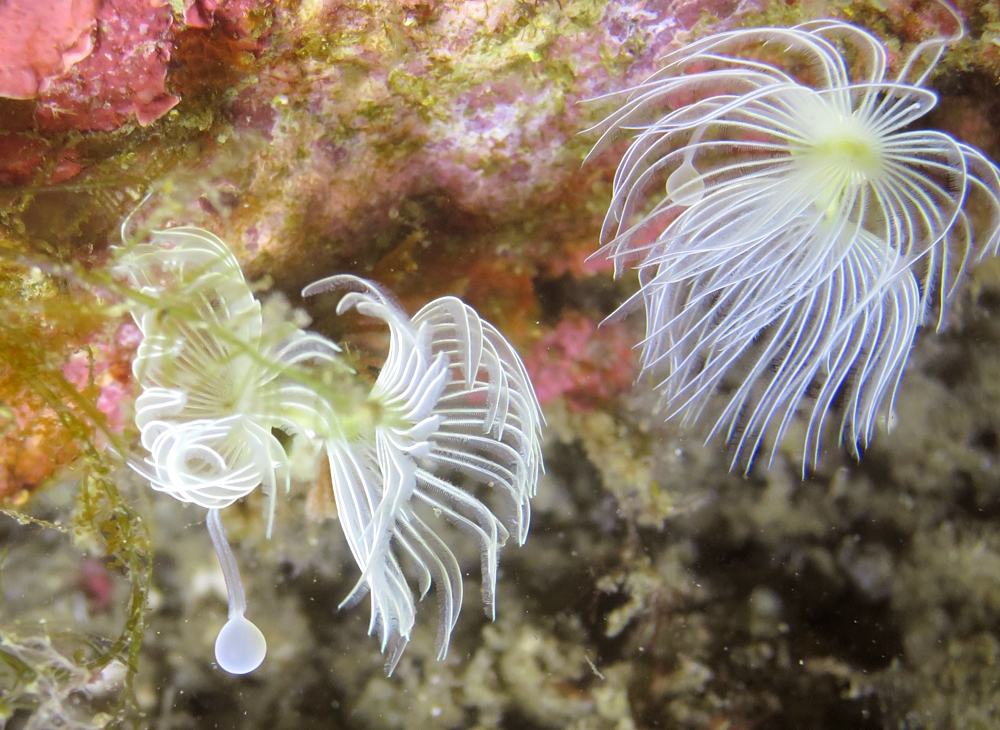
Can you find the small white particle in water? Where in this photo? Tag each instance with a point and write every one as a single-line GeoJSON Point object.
{"type": "Point", "coordinates": [593, 667]}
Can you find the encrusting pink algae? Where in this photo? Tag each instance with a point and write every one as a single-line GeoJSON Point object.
{"type": "Point", "coordinates": [435, 147]}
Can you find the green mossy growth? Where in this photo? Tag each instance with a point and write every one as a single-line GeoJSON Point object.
{"type": "Point", "coordinates": [50, 312]}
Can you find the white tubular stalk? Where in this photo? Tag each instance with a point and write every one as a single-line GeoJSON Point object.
{"type": "Point", "coordinates": [240, 646]}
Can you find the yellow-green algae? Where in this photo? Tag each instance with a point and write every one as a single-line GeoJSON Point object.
{"type": "Point", "coordinates": [46, 317]}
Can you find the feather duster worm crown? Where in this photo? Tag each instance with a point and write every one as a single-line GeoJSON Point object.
{"type": "Point", "coordinates": [215, 389]}
{"type": "Point", "coordinates": [805, 231]}
{"type": "Point", "coordinates": [456, 403]}
{"type": "Point", "coordinates": [214, 385]}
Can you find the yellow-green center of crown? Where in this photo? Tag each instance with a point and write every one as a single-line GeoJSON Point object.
{"type": "Point", "coordinates": [848, 154]}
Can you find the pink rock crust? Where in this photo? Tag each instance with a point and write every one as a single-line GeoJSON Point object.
{"type": "Point", "coordinates": [40, 39]}
{"type": "Point", "coordinates": [586, 365]}
{"type": "Point", "coordinates": [124, 77]}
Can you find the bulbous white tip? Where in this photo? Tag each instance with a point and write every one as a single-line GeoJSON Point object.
{"type": "Point", "coordinates": [240, 647]}
{"type": "Point", "coordinates": [687, 177]}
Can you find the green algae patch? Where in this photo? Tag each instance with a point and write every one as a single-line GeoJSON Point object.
{"type": "Point", "coordinates": [52, 428]}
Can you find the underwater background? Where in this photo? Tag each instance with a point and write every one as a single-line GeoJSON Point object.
{"type": "Point", "coordinates": [437, 148]}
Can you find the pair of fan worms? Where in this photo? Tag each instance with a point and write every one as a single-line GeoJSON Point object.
{"type": "Point", "coordinates": [787, 226]}
{"type": "Point", "coordinates": [219, 383]}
